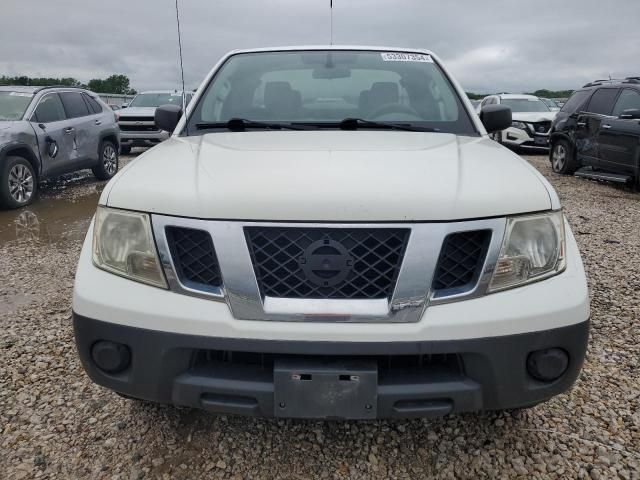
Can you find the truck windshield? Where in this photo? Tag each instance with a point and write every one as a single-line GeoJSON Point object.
{"type": "Point", "coordinates": [156, 99]}
{"type": "Point", "coordinates": [14, 104]}
{"type": "Point", "coordinates": [522, 105]}
{"type": "Point", "coordinates": [319, 89]}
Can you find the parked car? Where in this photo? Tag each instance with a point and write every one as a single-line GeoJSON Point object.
{"type": "Point", "coordinates": [531, 121]}
{"type": "Point", "coordinates": [330, 233]}
{"type": "Point", "coordinates": [136, 122]}
{"type": "Point", "coordinates": [48, 131]}
{"type": "Point", "coordinates": [597, 132]}
{"type": "Point", "coordinates": [553, 106]}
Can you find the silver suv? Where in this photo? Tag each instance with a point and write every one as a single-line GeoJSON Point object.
{"type": "Point", "coordinates": [136, 122]}
{"type": "Point", "coordinates": [48, 131]}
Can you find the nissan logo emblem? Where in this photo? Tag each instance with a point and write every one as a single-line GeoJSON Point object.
{"type": "Point", "coordinates": [326, 262]}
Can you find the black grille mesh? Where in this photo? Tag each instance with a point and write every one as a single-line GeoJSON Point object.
{"type": "Point", "coordinates": [194, 257]}
{"type": "Point", "coordinates": [461, 259]}
{"type": "Point", "coordinates": [375, 259]}
{"type": "Point", "coordinates": [136, 119]}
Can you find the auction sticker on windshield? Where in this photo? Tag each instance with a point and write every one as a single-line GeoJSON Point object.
{"type": "Point", "coordinates": [405, 57]}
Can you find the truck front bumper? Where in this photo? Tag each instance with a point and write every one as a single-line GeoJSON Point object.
{"type": "Point", "coordinates": [142, 139]}
{"type": "Point", "coordinates": [518, 138]}
{"type": "Point", "coordinates": [267, 377]}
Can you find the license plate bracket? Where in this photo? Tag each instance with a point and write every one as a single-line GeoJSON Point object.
{"type": "Point", "coordinates": [325, 389]}
{"type": "Point", "coordinates": [541, 141]}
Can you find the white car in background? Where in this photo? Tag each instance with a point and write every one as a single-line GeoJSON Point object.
{"type": "Point", "coordinates": [136, 119]}
{"type": "Point", "coordinates": [531, 121]}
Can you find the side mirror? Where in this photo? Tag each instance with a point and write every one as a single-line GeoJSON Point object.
{"type": "Point", "coordinates": [124, 105]}
{"type": "Point", "coordinates": [168, 116]}
{"type": "Point", "coordinates": [631, 114]}
{"type": "Point", "coordinates": [495, 117]}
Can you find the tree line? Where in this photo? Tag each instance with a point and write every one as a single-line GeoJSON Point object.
{"type": "Point", "coordinates": [118, 84]}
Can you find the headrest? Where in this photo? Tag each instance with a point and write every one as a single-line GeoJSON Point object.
{"type": "Point", "coordinates": [384, 92]}
{"type": "Point", "coordinates": [276, 94]}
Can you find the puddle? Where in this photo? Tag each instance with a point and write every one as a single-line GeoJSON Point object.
{"type": "Point", "coordinates": [50, 219]}
{"type": "Point", "coordinates": [62, 213]}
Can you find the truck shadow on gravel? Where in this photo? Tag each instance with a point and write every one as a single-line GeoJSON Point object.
{"type": "Point", "coordinates": [421, 445]}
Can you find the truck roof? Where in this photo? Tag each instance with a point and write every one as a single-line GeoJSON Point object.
{"type": "Point", "coordinates": [332, 47]}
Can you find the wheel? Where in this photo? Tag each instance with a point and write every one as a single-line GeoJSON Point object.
{"type": "Point", "coordinates": [562, 158]}
{"type": "Point", "coordinates": [125, 149]}
{"type": "Point", "coordinates": [18, 183]}
{"type": "Point", "coordinates": [108, 164]}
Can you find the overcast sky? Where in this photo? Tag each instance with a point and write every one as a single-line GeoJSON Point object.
{"type": "Point", "coordinates": [489, 45]}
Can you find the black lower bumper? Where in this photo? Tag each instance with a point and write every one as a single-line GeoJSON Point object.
{"type": "Point", "coordinates": [392, 379]}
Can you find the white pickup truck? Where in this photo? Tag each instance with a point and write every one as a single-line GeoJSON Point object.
{"type": "Point", "coordinates": [136, 119]}
{"type": "Point", "coordinates": [330, 233]}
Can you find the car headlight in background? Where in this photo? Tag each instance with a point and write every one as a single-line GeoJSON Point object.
{"type": "Point", "coordinates": [520, 125]}
{"type": "Point", "coordinates": [123, 244]}
{"type": "Point", "coordinates": [533, 248]}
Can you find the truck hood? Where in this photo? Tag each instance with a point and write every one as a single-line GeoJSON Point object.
{"type": "Point", "coordinates": [137, 112]}
{"type": "Point", "coordinates": [331, 176]}
{"type": "Point", "coordinates": [533, 116]}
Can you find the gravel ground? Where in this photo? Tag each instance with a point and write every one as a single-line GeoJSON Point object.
{"type": "Point", "coordinates": [56, 424]}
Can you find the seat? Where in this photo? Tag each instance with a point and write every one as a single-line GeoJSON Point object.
{"type": "Point", "coordinates": [281, 101]}
{"type": "Point", "coordinates": [382, 93]}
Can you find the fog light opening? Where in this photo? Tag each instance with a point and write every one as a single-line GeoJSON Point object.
{"type": "Point", "coordinates": [110, 357]}
{"type": "Point", "coordinates": [547, 365]}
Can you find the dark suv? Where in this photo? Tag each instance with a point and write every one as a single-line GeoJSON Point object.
{"type": "Point", "coordinates": [597, 132]}
{"type": "Point", "coordinates": [48, 131]}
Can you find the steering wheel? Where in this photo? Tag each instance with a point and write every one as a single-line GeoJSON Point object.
{"type": "Point", "coordinates": [393, 108]}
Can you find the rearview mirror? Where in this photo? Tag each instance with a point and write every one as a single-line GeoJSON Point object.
{"type": "Point", "coordinates": [331, 73]}
{"type": "Point", "coordinates": [631, 114]}
{"type": "Point", "coordinates": [168, 116]}
{"type": "Point", "coordinates": [495, 117]}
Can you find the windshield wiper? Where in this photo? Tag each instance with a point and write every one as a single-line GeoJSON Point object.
{"type": "Point", "coordinates": [241, 124]}
{"type": "Point", "coordinates": [351, 123]}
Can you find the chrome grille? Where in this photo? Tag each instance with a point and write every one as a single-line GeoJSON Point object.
{"type": "Point", "coordinates": [410, 291]}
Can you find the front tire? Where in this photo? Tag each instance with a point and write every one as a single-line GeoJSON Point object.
{"type": "Point", "coordinates": [18, 183]}
{"type": "Point", "coordinates": [562, 157]}
{"type": "Point", "coordinates": [108, 161]}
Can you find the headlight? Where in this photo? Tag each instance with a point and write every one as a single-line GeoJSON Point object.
{"type": "Point", "coordinates": [533, 248]}
{"type": "Point", "coordinates": [520, 125]}
{"type": "Point", "coordinates": [123, 244]}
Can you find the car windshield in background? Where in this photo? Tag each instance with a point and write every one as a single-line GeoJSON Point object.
{"type": "Point", "coordinates": [549, 103]}
{"type": "Point", "coordinates": [319, 89]}
{"type": "Point", "coordinates": [14, 104]}
{"type": "Point", "coordinates": [156, 99]}
{"type": "Point", "coordinates": [525, 105]}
